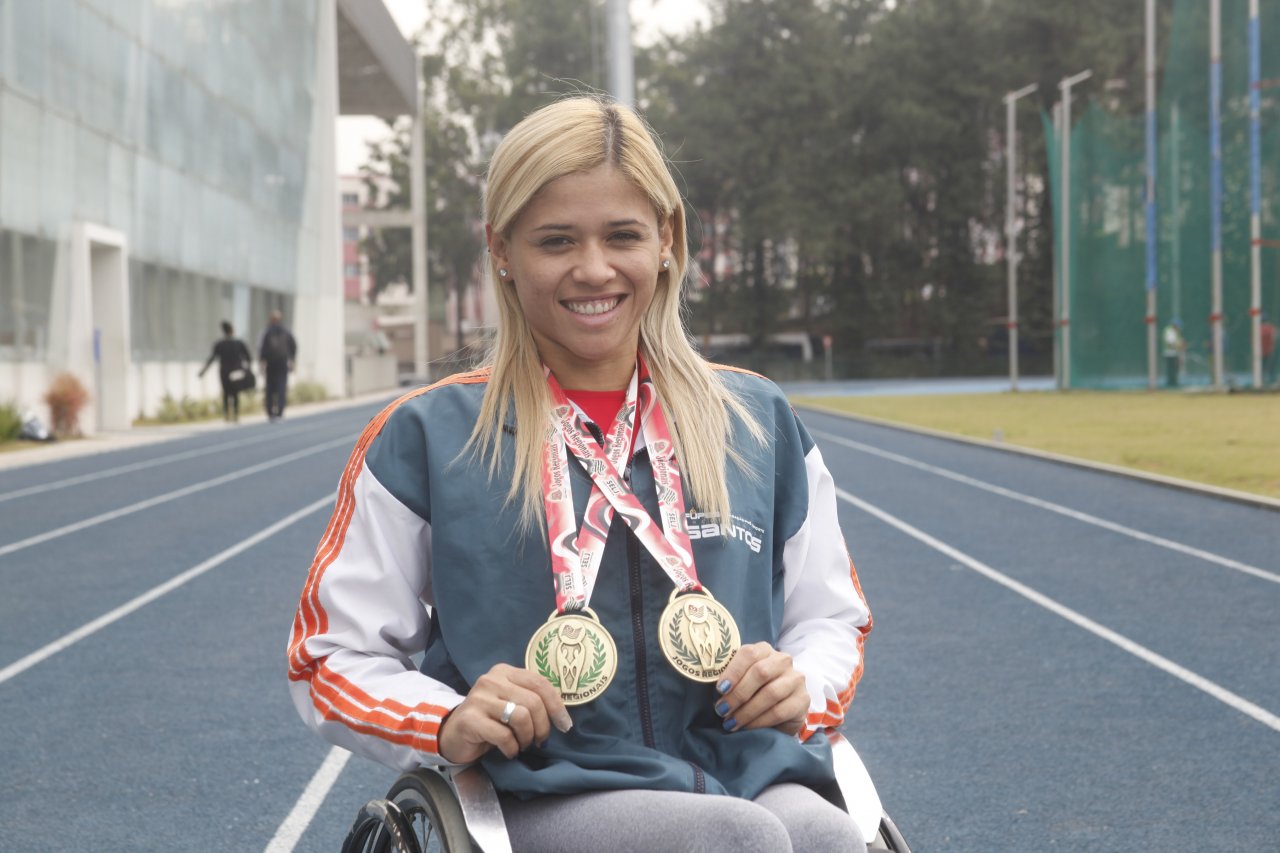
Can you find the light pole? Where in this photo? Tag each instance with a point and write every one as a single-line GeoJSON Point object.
{"type": "Point", "coordinates": [1065, 85]}
{"type": "Point", "coordinates": [1057, 268]}
{"type": "Point", "coordinates": [1011, 223]}
{"type": "Point", "coordinates": [1255, 197]}
{"type": "Point", "coordinates": [1152, 258]}
{"type": "Point", "coordinates": [1215, 183]}
{"type": "Point", "coordinates": [418, 232]}
{"type": "Point", "coordinates": [622, 72]}
{"type": "Point", "coordinates": [1175, 204]}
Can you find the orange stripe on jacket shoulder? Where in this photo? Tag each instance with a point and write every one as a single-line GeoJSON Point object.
{"type": "Point", "coordinates": [311, 618]}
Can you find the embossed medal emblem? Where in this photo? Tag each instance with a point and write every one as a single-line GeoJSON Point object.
{"type": "Point", "coordinates": [698, 635]}
{"type": "Point", "coordinates": [575, 653]}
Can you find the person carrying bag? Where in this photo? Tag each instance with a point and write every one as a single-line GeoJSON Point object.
{"type": "Point", "coordinates": [235, 370]}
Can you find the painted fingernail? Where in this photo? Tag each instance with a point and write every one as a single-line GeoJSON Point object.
{"type": "Point", "coordinates": [562, 721]}
{"type": "Point", "coordinates": [730, 724]}
{"type": "Point", "coordinates": [722, 708]}
{"type": "Point", "coordinates": [724, 686]}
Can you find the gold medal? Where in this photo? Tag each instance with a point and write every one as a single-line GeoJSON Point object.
{"type": "Point", "coordinates": [575, 653]}
{"type": "Point", "coordinates": [698, 635]}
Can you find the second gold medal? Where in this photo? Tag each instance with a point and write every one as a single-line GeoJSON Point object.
{"type": "Point", "coordinates": [698, 635]}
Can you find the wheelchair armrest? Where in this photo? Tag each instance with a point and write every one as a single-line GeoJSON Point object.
{"type": "Point", "coordinates": [860, 798]}
{"type": "Point", "coordinates": [480, 808]}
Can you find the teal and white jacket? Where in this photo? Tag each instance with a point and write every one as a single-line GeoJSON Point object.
{"type": "Point", "coordinates": [423, 555]}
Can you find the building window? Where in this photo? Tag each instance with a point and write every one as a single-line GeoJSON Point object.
{"type": "Point", "coordinates": [26, 287]}
{"type": "Point", "coordinates": [353, 270]}
{"type": "Point", "coordinates": [350, 233]}
{"type": "Point", "coordinates": [350, 200]}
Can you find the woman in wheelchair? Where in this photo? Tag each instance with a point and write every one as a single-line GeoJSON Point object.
{"type": "Point", "coordinates": [621, 564]}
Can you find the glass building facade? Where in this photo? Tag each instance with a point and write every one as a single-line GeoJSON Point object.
{"type": "Point", "coordinates": [185, 126]}
{"type": "Point", "coordinates": [197, 134]}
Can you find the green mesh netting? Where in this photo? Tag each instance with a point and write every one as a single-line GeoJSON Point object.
{"type": "Point", "coordinates": [1107, 294]}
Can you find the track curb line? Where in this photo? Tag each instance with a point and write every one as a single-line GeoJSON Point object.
{"type": "Point", "coordinates": [1258, 501]}
{"type": "Point", "coordinates": [147, 436]}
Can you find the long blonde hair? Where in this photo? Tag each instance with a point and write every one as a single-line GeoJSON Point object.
{"type": "Point", "coordinates": [567, 137]}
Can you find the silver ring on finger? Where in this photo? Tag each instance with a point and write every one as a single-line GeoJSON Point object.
{"type": "Point", "coordinates": [507, 710]}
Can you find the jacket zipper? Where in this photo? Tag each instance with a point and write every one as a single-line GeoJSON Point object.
{"type": "Point", "coordinates": [699, 780]}
{"type": "Point", "coordinates": [637, 630]}
{"type": "Point", "coordinates": [637, 611]}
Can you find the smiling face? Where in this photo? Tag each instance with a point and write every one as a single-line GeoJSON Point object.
{"type": "Point", "coordinates": [584, 258]}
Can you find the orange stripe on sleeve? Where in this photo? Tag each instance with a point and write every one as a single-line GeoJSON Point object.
{"type": "Point", "coordinates": [846, 696]}
{"type": "Point", "coordinates": [310, 618]}
{"type": "Point", "coordinates": [833, 715]}
{"type": "Point", "coordinates": [338, 699]}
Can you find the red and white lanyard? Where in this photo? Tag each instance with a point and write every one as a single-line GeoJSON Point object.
{"type": "Point", "coordinates": [575, 556]}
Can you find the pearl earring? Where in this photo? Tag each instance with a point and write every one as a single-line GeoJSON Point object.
{"type": "Point", "coordinates": [502, 273]}
{"type": "Point", "coordinates": [666, 265]}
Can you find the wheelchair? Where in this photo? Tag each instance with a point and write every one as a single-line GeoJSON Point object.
{"type": "Point", "coordinates": [456, 810]}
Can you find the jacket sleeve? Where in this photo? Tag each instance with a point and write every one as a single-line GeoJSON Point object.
{"type": "Point", "coordinates": [825, 617]}
{"type": "Point", "coordinates": [363, 613]}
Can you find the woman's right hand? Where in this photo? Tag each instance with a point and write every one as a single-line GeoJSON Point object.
{"type": "Point", "coordinates": [475, 726]}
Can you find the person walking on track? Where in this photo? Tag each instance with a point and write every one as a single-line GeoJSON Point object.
{"type": "Point", "coordinates": [277, 351]}
{"type": "Point", "coordinates": [1174, 351]}
{"type": "Point", "coordinates": [1269, 358]}
{"type": "Point", "coordinates": [235, 370]}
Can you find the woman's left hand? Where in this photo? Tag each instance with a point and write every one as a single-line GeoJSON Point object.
{"type": "Point", "coordinates": [764, 691]}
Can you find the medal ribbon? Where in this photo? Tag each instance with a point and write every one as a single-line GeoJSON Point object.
{"type": "Point", "coordinates": [576, 554]}
{"type": "Point", "coordinates": [610, 492]}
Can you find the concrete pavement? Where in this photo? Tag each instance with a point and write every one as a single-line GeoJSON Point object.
{"type": "Point", "coordinates": [35, 453]}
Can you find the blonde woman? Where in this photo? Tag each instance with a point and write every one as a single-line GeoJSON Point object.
{"type": "Point", "coordinates": [639, 614]}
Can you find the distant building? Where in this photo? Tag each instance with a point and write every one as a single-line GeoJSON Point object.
{"type": "Point", "coordinates": [165, 166]}
{"type": "Point", "coordinates": [357, 283]}
{"type": "Point", "coordinates": [464, 314]}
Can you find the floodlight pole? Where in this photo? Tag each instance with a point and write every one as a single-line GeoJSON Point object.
{"type": "Point", "coordinates": [1057, 271]}
{"type": "Point", "coordinates": [1152, 258]}
{"type": "Point", "coordinates": [1175, 203]}
{"type": "Point", "coordinates": [418, 204]}
{"type": "Point", "coordinates": [1011, 224]}
{"type": "Point", "coordinates": [1065, 85]}
{"type": "Point", "coordinates": [1215, 182]}
{"type": "Point", "coordinates": [622, 71]}
{"type": "Point", "coordinates": [1255, 195]}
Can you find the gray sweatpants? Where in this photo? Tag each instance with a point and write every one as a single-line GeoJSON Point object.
{"type": "Point", "coordinates": [783, 818]}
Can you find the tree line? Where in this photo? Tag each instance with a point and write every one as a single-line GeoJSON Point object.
{"type": "Point", "coordinates": [843, 158]}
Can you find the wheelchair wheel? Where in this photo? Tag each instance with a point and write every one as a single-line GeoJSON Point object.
{"type": "Point", "coordinates": [888, 838]}
{"type": "Point", "coordinates": [419, 815]}
{"type": "Point", "coordinates": [431, 809]}
{"type": "Point", "coordinates": [380, 827]}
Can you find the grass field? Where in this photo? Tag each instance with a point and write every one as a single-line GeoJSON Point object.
{"type": "Point", "coordinates": [1227, 440]}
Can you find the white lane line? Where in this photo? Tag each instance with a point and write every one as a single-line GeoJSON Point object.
{"type": "Point", "coordinates": [1053, 507]}
{"type": "Point", "coordinates": [149, 463]}
{"type": "Point", "coordinates": [299, 817]}
{"type": "Point", "coordinates": [90, 628]}
{"type": "Point", "coordinates": [1141, 652]}
{"type": "Point", "coordinates": [168, 496]}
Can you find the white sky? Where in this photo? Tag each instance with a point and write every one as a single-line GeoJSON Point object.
{"type": "Point", "coordinates": [649, 18]}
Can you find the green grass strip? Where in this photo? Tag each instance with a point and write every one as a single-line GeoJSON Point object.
{"type": "Point", "coordinates": [1226, 440]}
